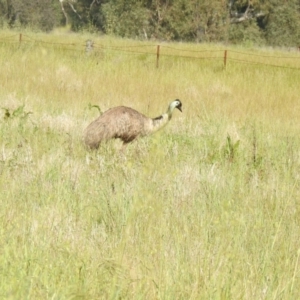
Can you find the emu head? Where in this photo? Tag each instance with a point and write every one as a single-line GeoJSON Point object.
{"type": "Point", "coordinates": [177, 103]}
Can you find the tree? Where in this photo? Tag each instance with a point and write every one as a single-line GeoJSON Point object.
{"type": "Point", "coordinates": [244, 18]}
{"type": "Point", "coordinates": [282, 23]}
{"type": "Point", "coordinates": [126, 18]}
{"type": "Point", "coordinates": [69, 9]}
{"type": "Point", "coordinates": [275, 22]}
{"type": "Point", "coordinates": [243, 10]}
{"type": "Point", "coordinates": [40, 14]}
{"type": "Point", "coordinates": [194, 20]}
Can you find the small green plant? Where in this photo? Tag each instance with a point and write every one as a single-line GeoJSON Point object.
{"type": "Point", "coordinates": [19, 112]}
{"type": "Point", "coordinates": [91, 106]}
{"type": "Point", "coordinates": [231, 149]}
{"type": "Point", "coordinates": [256, 157]}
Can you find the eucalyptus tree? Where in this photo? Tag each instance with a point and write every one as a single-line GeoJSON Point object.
{"type": "Point", "coordinates": [273, 22]}
{"type": "Point", "coordinates": [41, 14]}
{"type": "Point", "coordinates": [282, 23]}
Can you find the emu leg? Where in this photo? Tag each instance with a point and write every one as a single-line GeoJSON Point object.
{"type": "Point", "coordinates": [124, 146]}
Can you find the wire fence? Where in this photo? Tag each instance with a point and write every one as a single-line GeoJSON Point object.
{"type": "Point", "coordinates": [160, 51]}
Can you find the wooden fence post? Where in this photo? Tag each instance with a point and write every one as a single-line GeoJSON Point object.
{"type": "Point", "coordinates": [225, 58]}
{"type": "Point", "coordinates": [20, 38]}
{"type": "Point", "coordinates": [157, 55]}
{"type": "Point", "coordinates": [89, 45]}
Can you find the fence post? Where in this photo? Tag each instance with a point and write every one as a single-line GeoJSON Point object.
{"type": "Point", "coordinates": [89, 45]}
{"type": "Point", "coordinates": [20, 38]}
{"type": "Point", "coordinates": [157, 55]}
{"type": "Point", "coordinates": [225, 58]}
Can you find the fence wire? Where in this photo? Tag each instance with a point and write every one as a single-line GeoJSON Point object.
{"type": "Point", "coordinates": [162, 50]}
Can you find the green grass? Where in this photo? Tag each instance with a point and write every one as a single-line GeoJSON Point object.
{"type": "Point", "coordinates": [207, 208]}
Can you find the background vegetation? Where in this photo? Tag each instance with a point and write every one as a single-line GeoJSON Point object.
{"type": "Point", "coordinates": [273, 22]}
{"type": "Point", "coordinates": [205, 209]}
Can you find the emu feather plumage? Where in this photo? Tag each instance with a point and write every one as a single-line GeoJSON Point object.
{"type": "Point", "coordinates": [126, 124]}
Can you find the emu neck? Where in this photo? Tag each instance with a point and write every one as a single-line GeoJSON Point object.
{"type": "Point", "coordinates": [162, 120]}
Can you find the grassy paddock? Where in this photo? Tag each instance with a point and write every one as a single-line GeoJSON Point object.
{"type": "Point", "coordinates": [208, 208]}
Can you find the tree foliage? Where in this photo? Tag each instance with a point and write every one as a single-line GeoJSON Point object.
{"type": "Point", "coordinates": [126, 18]}
{"type": "Point", "coordinates": [282, 25]}
{"type": "Point", "coordinates": [41, 14]}
{"type": "Point", "coordinates": [272, 22]}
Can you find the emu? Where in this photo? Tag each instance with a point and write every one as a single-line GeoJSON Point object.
{"type": "Point", "coordinates": [126, 124]}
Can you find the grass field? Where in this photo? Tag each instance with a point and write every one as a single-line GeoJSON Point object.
{"type": "Point", "coordinates": [207, 208]}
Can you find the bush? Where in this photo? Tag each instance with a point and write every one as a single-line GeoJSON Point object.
{"type": "Point", "coordinates": [125, 19]}
{"type": "Point", "coordinates": [245, 33]}
{"type": "Point", "coordinates": [283, 26]}
{"type": "Point", "coordinates": [39, 14]}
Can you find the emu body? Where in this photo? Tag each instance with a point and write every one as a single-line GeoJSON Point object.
{"type": "Point", "coordinates": [126, 124]}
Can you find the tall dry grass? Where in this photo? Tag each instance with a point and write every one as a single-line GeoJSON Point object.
{"type": "Point", "coordinates": [205, 209]}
